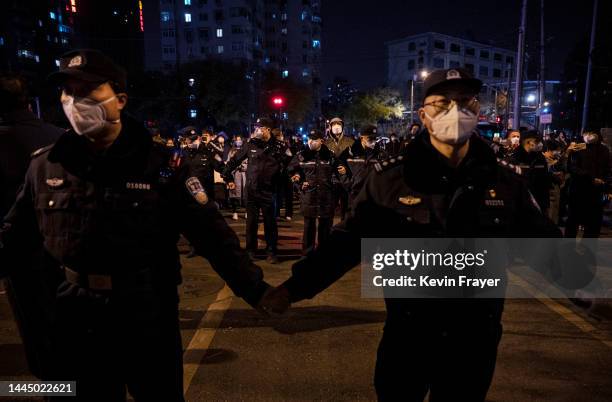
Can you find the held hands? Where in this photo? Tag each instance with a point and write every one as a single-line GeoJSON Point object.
{"type": "Point", "coordinates": [275, 301]}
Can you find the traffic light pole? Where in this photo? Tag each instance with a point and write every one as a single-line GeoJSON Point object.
{"type": "Point", "coordinates": [518, 85]}
{"type": "Point", "coordinates": [587, 86]}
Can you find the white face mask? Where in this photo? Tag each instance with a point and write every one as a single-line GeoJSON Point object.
{"type": "Point", "coordinates": [85, 115]}
{"type": "Point", "coordinates": [314, 145]}
{"type": "Point", "coordinates": [337, 129]}
{"type": "Point", "coordinates": [455, 126]}
{"type": "Point", "coordinates": [589, 138]}
{"type": "Point", "coordinates": [514, 140]}
{"type": "Point", "coordinates": [238, 143]}
{"type": "Point", "coordinates": [258, 133]}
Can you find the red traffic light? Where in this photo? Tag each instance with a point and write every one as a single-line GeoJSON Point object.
{"type": "Point", "coordinates": [278, 101]}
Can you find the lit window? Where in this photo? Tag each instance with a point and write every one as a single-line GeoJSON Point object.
{"type": "Point", "coordinates": [187, 17]}
{"type": "Point", "coordinates": [316, 43]}
{"type": "Point", "coordinates": [219, 32]}
{"type": "Point", "coordinates": [52, 15]}
{"type": "Point", "coordinates": [187, 2]}
{"type": "Point", "coordinates": [192, 112]}
{"type": "Point", "coordinates": [285, 73]}
{"type": "Point", "coordinates": [1, 41]}
{"type": "Point", "coordinates": [305, 73]}
{"type": "Point", "coordinates": [165, 16]}
{"type": "Point", "coordinates": [37, 58]}
{"type": "Point", "coordinates": [57, 62]}
{"type": "Point", "coordinates": [220, 49]}
{"type": "Point", "coordinates": [40, 23]}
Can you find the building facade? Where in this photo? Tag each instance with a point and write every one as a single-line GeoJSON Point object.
{"type": "Point", "coordinates": [412, 57]}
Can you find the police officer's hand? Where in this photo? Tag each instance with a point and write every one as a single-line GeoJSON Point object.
{"type": "Point", "coordinates": [231, 186]}
{"type": "Point", "coordinates": [295, 178]}
{"type": "Point", "coordinates": [305, 185]}
{"type": "Point", "coordinates": [275, 301]}
{"type": "Point", "coordinates": [341, 170]}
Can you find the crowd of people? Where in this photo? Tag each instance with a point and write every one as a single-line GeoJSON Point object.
{"type": "Point", "coordinates": [88, 238]}
{"type": "Point", "coordinates": [569, 178]}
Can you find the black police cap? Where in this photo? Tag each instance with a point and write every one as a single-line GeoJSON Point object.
{"type": "Point", "coordinates": [315, 134]}
{"type": "Point", "coordinates": [439, 81]}
{"type": "Point", "coordinates": [89, 65]}
{"type": "Point", "coordinates": [264, 122]}
{"type": "Point", "coordinates": [369, 131]}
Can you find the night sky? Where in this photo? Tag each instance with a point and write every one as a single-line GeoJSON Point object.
{"type": "Point", "coordinates": [355, 31]}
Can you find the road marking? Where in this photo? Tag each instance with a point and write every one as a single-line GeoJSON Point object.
{"type": "Point", "coordinates": [560, 309]}
{"type": "Point", "coordinates": [205, 333]}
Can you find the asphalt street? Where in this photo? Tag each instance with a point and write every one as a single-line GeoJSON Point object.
{"type": "Point", "coordinates": [324, 349]}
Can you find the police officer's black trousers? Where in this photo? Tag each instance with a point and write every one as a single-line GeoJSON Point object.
{"type": "Point", "coordinates": [340, 196]}
{"type": "Point", "coordinates": [270, 228]}
{"type": "Point", "coordinates": [453, 365]}
{"type": "Point", "coordinates": [310, 232]}
{"type": "Point", "coordinates": [129, 341]}
{"type": "Point", "coordinates": [586, 209]}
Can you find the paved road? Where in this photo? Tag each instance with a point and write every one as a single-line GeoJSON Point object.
{"type": "Point", "coordinates": [324, 349]}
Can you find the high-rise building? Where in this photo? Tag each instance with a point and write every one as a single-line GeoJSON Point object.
{"type": "Point", "coordinates": [278, 34]}
{"type": "Point", "coordinates": [33, 34]}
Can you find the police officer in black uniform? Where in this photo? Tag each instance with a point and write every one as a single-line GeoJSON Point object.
{"type": "Point", "coordinates": [313, 168]}
{"type": "Point", "coordinates": [267, 157]}
{"type": "Point", "coordinates": [447, 183]}
{"type": "Point", "coordinates": [360, 159]}
{"type": "Point", "coordinates": [108, 207]}
{"type": "Point", "coordinates": [203, 160]}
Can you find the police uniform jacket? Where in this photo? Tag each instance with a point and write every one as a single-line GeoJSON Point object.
{"type": "Point", "coordinates": [266, 160]}
{"type": "Point", "coordinates": [317, 168]}
{"type": "Point", "coordinates": [359, 163]}
{"type": "Point", "coordinates": [117, 215]}
{"type": "Point", "coordinates": [417, 194]}
{"type": "Point", "coordinates": [203, 161]}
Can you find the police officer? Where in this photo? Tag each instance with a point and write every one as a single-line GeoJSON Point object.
{"type": "Point", "coordinates": [532, 163]}
{"type": "Point", "coordinates": [203, 160]}
{"type": "Point", "coordinates": [267, 157]}
{"type": "Point", "coordinates": [108, 208]}
{"type": "Point", "coordinates": [313, 168]}
{"type": "Point", "coordinates": [337, 142]}
{"type": "Point", "coordinates": [22, 133]}
{"type": "Point", "coordinates": [447, 183]}
{"type": "Point", "coordinates": [360, 159]}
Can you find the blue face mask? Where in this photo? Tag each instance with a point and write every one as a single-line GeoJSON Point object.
{"type": "Point", "coordinates": [238, 143]}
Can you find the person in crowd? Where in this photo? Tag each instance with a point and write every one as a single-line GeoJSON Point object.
{"type": "Point", "coordinates": [237, 195]}
{"type": "Point", "coordinates": [394, 146]}
{"type": "Point", "coordinates": [359, 160]}
{"type": "Point", "coordinates": [337, 142]}
{"type": "Point", "coordinates": [589, 169]}
{"type": "Point", "coordinates": [534, 168]}
{"type": "Point", "coordinates": [284, 193]}
{"type": "Point", "coordinates": [267, 157]}
{"type": "Point", "coordinates": [312, 169]}
{"type": "Point", "coordinates": [107, 206]}
{"type": "Point", "coordinates": [22, 133]}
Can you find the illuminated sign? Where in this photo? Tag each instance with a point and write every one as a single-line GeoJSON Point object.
{"type": "Point", "coordinates": [73, 6]}
{"type": "Point", "coordinates": [141, 19]}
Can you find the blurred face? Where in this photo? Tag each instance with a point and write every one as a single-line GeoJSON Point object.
{"type": "Point", "coordinates": [315, 145]}
{"type": "Point", "coordinates": [266, 133]}
{"type": "Point", "coordinates": [414, 130]}
{"type": "Point", "coordinates": [368, 142]}
{"type": "Point", "coordinates": [530, 145]}
{"type": "Point", "coordinates": [205, 138]}
{"type": "Point", "coordinates": [336, 128]}
{"type": "Point", "coordinates": [221, 140]}
{"type": "Point", "coordinates": [514, 137]}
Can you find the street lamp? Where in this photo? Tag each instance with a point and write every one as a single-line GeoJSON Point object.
{"type": "Point", "coordinates": [531, 98]}
{"type": "Point", "coordinates": [424, 74]}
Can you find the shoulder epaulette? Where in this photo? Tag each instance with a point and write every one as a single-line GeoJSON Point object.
{"type": "Point", "coordinates": [41, 151]}
{"type": "Point", "coordinates": [388, 163]}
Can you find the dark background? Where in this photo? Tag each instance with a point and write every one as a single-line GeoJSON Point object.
{"type": "Point", "coordinates": [356, 31]}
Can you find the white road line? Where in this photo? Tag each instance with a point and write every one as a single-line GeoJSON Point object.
{"type": "Point", "coordinates": [205, 333]}
{"type": "Point", "coordinates": [560, 309]}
